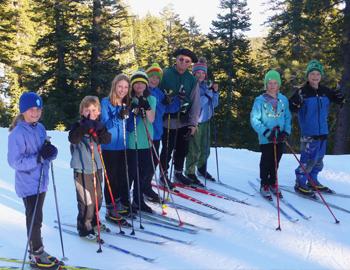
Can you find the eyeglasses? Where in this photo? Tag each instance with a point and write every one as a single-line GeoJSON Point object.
{"type": "Point", "coordinates": [187, 61]}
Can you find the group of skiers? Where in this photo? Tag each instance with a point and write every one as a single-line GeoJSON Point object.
{"type": "Point", "coordinates": [271, 119]}
{"type": "Point", "coordinates": [118, 140]}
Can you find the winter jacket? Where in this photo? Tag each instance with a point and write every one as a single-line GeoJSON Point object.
{"type": "Point", "coordinates": [264, 117]}
{"type": "Point", "coordinates": [173, 80]}
{"type": "Point", "coordinates": [313, 112]}
{"type": "Point", "coordinates": [160, 110]}
{"type": "Point", "coordinates": [208, 100]}
{"type": "Point", "coordinates": [142, 136]}
{"type": "Point", "coordinates": [114, 124]}
{"type": "Point", "coordinates": [81, 160]}
{"type": "Point", "coordinates": [24, 143]}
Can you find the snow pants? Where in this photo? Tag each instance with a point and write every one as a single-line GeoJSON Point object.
{"type": "Point", "coordinates": [267, 162]}
{"type": "Point", "coordinates": [198, 149]}
{"type": "Point", "coordinates": [312, 152]}
{"type": "Point", "coordinates": [35, 241]}
{"type": "Point", "coordinates": [84, 184]}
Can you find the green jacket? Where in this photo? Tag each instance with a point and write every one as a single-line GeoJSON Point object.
{"type": "Point", "coordinates": [173, 80]}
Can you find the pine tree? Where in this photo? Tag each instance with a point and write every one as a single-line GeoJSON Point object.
{"type": "Point", "coordinates": [233, 67]}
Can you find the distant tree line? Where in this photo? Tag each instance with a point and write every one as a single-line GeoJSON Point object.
{"type": "Point", "coordinates": [68, 49]}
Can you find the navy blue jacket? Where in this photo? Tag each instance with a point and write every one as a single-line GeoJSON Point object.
{"type": "Point", "coordinates": [314, 109]}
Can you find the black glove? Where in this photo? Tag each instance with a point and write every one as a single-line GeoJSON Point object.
{"type": "Point", "coordinates": [48, 151]}
{"type": "Point", "coordinates": [182, 95]}
{"type": "Point", "coordinates": [87, 124]}
{"type": "Point", "coordinates": [144, 104]}
{"type": "Point", "coordinates": [272, 137]}
{"type": "Point", "coordinates": [98, 125]}
{"type": "Point", "coordinates": [297, 99]}
{"type": "Point", "coordinates": [282, 136]}
{"type": "Point", "coordinates": [167, 97]}
{"type": "Point", "coordinates": [134, 103]}
{"type": "Point", "coordinates": [124, 113]}
{"type": "Point", "coordinates": [339, 96]}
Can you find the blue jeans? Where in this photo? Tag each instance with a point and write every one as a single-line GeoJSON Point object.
{"type": "Point", "coordinates": [312, 152]}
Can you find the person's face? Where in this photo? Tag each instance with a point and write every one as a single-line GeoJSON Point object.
{"type": "Point", "coordinates": [154, 81]}
{"type": "Point", "coordinates": [121, 89]}
{"type": "Point", "coordinates": [91, 111]}
{"type": "Point", "coordinates": [32, 115]}
{"type": "Point", "coordinates": [139, 87]}
{"type": "Point", "coordinates": [272, 87]}
{"type": "Point", "coordinates": [200, 75]}
{"type": "Point", "coordinates": [182, 63]}
{"type": "Point", "coordinates": [314, 78]}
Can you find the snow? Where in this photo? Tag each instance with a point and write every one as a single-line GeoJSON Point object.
{"type": "Point", "coordinates": [247, 240]}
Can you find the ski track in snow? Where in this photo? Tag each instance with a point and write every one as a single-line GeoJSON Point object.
{"type": "Point", "coordinates": [247, 240]}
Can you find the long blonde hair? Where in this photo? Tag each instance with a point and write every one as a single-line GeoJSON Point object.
{"type": "Point", "coordinates": [15, 121]}
{"type": "Point", "coordinates": [113, 94]}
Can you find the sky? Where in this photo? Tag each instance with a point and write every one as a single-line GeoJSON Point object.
{"type": "Point", "coordinates": [203, 11]}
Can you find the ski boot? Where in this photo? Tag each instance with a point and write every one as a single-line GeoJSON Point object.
{"type": "Point", "coordinates": [195, 180]}
{"type": "Point", "coordinates": [202, 171]}
{"type": "Point", "coordinates": [304, 190]}
{"type": "Point", "coordinates": [273, 189]}
{"type": "Point", "coordinates": [40, 259]}
{"type": "Point", "coordinates": [265, 192]}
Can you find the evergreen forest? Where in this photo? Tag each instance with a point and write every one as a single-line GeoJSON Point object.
{"type": "Point", "coordinates": [65, 50]}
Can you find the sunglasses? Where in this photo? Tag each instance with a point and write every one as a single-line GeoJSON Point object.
{"type": "Point", "coordinates": [187, 61]}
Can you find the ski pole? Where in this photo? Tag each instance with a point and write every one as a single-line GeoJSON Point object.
{"type": "Point", "coordinates": [95, 193]}
{"type": "Point", "coordinates": [312, 182]}
{"type": "Point", "coordinates": [216, 151]}
{"type": "Point", "coordinates": [137, 171]}
{"type": "Point", "coordinates": [162, 171]}
{"type": "Point", "coordinates": [110, 189]}
{"type": "Point", "coordinates": [33, 215]}
{"type": "Point", "coordinates": [64, 258]}
{"type": "Point", "coordinates": [127, 174]}
{"type": "Point", "coordinates": [277, 188]}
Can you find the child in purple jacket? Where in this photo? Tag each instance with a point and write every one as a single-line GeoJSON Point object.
{"type": "Point", "coordinates": [30, 154]}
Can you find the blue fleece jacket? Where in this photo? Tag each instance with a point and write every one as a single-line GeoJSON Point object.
{"type": "Point", "coordinates": [264, 117]}
{"type": "Point", "coordinates": [114, 124]}
{"type": "Point", "coordinates": [161, 109]}
{"type": "Point", "coordinates": [209, 100]}
{"type": "Point", "coordinates": [24, 143]}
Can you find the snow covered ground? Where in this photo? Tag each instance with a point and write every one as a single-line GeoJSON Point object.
{"type": "Point", "coordinates": [247, 240]}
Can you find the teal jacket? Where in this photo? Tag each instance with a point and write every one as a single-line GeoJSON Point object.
{"type": "Point", "coordinates": [263, 117]}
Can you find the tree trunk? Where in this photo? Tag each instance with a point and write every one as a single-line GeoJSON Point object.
{"type": "Point", "coordinates": [342, 135]}
{"type": "Point", "coordinates": [95, 47]}
{"type": "Point", "coordinates": [61, 72]}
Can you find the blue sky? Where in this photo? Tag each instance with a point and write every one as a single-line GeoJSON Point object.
{"type": "Point", "coordinates": [203, 11]}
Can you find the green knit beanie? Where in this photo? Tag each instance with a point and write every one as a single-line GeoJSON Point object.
{"type": "Point", "coordinates": [272, 75]}
{"type": "Point", "coordinates": [314, 65]}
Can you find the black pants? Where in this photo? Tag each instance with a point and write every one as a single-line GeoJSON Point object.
{"type": "Point", "coordinates": [35, 240]}
{"type": "Point", "coordinates": [84, 184]}
{"type": "Point", "coordinates": [267, 162]}
{"type": "Point", "coordinates": [116, 171]}
{"type": "Point", "coordinates": [180, 151]}
{"type": "Point", "coordinates": [145, 169]}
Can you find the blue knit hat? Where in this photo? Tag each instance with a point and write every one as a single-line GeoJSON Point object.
{"type": "Point", "coordinates": [29, 100]}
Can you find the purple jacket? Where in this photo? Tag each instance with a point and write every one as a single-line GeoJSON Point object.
{"type": "Point", "coordinates": [24, 143]}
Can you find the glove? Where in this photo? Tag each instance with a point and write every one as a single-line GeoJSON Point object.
{"type": "Point", "coordinates": [182, 95]}
{"type": "Point", "coordinates": [297, 99]}
{"type": "Point", "coordinates": [48, 151]}
{"type": "Point", "coordinates": [144, 104]}
{"type": "Point", "coordinates": [134, 103]}
{"type": "Point", "coordinates": [188, 134]}
{"type": "Point", "coordinates": [124, 113]}
{"type": "Point", "coordinates": [167, 97]}
{"type": "Point", "coordinates": [282, 136]}
{"type": "Point", "coordinates": [88, 125]}
{"type": "Point", "coordinates": [339, 96]}
{"type": "Point", "coordinates": [98, 125]}
{"type": "Point", "coordinates": [272, 137]}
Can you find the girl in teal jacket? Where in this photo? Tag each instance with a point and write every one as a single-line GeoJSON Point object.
{"type": "Point", "coordinates": [271, 119]}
